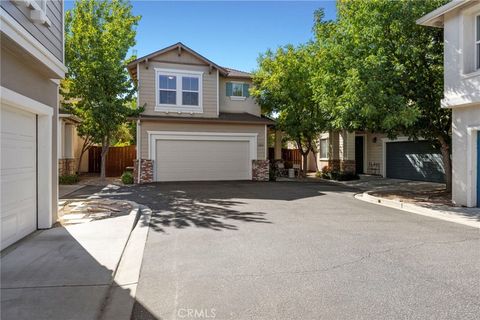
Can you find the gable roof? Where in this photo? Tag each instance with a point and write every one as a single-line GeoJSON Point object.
{"type": "Point", "coordinates": [177, 46]}
{"type": "Point", "coordinates": [237, 73]}
{"type": "Point", "coordinates": [227, 72]}
{"type": "Point", "coordinates": [435, 18]}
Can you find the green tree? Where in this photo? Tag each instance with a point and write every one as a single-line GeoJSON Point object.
{"type": "Point", "coordinates": [281, 87]}
{"type": "Point", "coordinates": [98, 35]}
{"type": "Point", "coordinates": [379, 71]}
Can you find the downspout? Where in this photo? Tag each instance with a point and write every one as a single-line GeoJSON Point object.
{"type": "Point", "coordinates": [139, 132]}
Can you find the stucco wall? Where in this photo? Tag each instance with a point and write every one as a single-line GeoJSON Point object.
{"type": "Point", "coordinates": [462, 118]}
{"type": "Point", "coordinates": [202, 127]}
{"type": "Point", "coordinates": [234, 106]}
{"type": "Point", "coordinates": [462, 80]}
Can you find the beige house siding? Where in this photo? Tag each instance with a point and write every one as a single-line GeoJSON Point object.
{"type": "Point", "coordinates": [184, 62]}
{"type": "Point", "coordinates": [202, 127]}
{"type": "Point", "coordinates": [50, 36]}
{"type": "Point", "coordinates": [375, 151]}
{"type": "Point", "coordinates": [233, 106]}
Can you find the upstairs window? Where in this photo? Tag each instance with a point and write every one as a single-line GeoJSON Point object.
{"type": "Point", "coordinates": [178, 91]}
{"type": "Point", "coordinates": [168, 89]}
{"type": "Point", "coordinates": [237, 90]}
{"type": "Point", "coordinates": [190, 91]}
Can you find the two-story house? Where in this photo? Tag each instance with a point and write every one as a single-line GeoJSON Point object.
{"type": "Point", "coordinates": [32, 63]}
{"type": "Point", "coordinates": [199, 122]}
{"type": "Point", "coordinates": [461, 22]}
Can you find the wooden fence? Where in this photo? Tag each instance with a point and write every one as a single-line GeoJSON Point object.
{"type": "Point", "coordinates": [290, 156]}
{"type": "Point", "coordinates": [118, 158]}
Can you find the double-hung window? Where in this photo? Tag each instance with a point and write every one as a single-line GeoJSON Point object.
{"type": "Point", "coordinates": [178, 91]}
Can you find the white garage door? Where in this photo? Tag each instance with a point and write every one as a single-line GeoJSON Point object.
{"type": "Point", "coordinates": [187, 160]}
{"type": "Point", "coordinates": [18, 174]}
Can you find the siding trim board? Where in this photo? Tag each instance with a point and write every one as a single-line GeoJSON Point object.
{"type": "Point", "coordinates": [472, 163]}
{"type": "Point", "coordinates": [29, 43]}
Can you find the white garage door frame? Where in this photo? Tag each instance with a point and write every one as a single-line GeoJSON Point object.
{"type": "Point", "coordinates": [153, 136]}
{"type": "Point", "coordinates": [44, 150]}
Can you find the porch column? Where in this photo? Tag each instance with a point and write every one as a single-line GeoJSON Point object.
{"type": "Point", "coordinates": [278, 145]}
{"type": "Point", "coordinates": [347, 151]}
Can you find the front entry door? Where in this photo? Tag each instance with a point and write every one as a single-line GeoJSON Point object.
{"type": "Point", "coordinates": [359, 154]}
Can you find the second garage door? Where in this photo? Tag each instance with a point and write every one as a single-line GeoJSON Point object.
{"type": "Point", "coordinates": [196, 160]}
{"type": "Point", "coordinates": [414, 161]}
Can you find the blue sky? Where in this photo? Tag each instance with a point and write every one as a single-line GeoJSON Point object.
{"type": "Point", "coordinates": [230, 33]}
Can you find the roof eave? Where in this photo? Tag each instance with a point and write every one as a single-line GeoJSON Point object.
{"type": "Point", "coordinates": [435, 18]}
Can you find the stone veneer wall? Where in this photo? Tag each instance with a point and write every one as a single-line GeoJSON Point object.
{"type": "Point", "coordinates": [66, 167]}
{"type": "Point", "coordinates": [260, 170]}
{"type": "Point", "coordinates": [146, 171]}
{"type": "Point", "coordinates": [342, 165]}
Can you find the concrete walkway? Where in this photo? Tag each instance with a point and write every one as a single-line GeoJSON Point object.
{"type": "Point", "coordinates": [74, 272]}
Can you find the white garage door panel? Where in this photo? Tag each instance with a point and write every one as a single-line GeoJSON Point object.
{"type": "Point", "coordinates": [186, 160]}
{"type": "Point", "coordinates": [18, 174]}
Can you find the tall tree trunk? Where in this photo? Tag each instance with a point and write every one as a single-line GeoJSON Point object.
{"type": "Point", "coordinates": [105, 146]}
{"type": "Point", "coordinates": [85, 147]}
{"type": "Point", "coordinates": [447, 162]}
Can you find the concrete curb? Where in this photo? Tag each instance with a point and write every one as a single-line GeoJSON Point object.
{"type": "Point", "coordinates": [445, 215]}
{"type": "Point", "coordinates": [120, 300]}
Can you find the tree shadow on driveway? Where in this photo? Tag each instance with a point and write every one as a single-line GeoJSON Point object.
{"type": "Point", "coordinates": [212, 205]}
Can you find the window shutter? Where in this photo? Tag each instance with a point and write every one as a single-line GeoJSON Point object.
{"type": "Point", "coordinates": [246, 86]}
{"type": "Point", "coordinates": [229, 89]}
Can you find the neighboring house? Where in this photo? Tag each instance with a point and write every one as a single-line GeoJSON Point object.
{"type": "Point", "coordinates": [374, 153]}
{"type": "Point", "coordinates": [70, 145]}
{"type": "Point", "coordinates": [199, 123]}
{"type": "Point", "coordinates": [32, 62]}
{"type": "Point", "coordinates": [461, 23]}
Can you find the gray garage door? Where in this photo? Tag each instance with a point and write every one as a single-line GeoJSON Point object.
{"type": "Point", "coordinates": [414, 161]}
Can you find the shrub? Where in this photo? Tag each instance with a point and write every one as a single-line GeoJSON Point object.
{"type": "Point", "coordinates": [347, 176]}
{"type": "Point", "coordinates": [68, 179]}
{"type": "Point", "coordinates": [330, 174]}
{"type": "Point", "coordinates": [127, 177]}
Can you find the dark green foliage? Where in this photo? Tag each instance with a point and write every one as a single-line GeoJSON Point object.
{"type": "Point", "coordinates": [68, 179]}
{"type": "Point", "coordinates": [127, 177]}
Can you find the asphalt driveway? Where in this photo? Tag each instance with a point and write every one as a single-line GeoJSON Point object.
{"type": "Point", "coordinates": [244, 250]}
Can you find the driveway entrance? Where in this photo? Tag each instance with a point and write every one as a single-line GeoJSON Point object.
{"type": "Point", "coordinates": [244, 250]}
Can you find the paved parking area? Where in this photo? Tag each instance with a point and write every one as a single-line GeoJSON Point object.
{"type": "Point", "coordinates": [293, 250]}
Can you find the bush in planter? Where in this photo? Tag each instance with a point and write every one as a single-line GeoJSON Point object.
{"type": "Point", "coordinates": [127, 177]}
{"type": "Point", "coordinates": [330, 174]}
{"type": "Point", "coordinates": [347, 176]}
{"type": "Point", "coordinates": [68, 179]}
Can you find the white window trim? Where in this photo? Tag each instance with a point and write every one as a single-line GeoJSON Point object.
{"type": "Point", "coordinates": [320, 149]}
{"type": "Point", "coordinates": [153, 136]}
{"type": "Point", "coordinates": [178, 107]}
